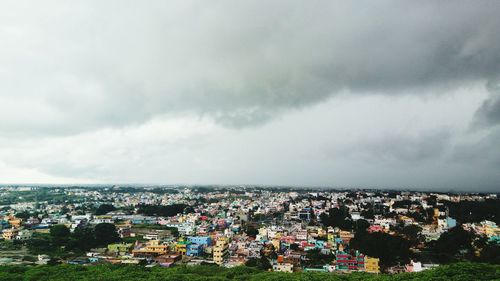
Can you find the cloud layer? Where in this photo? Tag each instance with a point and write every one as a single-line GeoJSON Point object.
{"type": "Point", "coordinates": [101, 72]}
{"type": "Point", "coordinates": [94, 64]}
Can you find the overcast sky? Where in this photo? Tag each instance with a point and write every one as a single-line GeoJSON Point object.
{"type": "Point", "coordinates": [394, 94]}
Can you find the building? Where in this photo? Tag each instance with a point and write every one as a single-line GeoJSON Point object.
{"type": "Point", "coordinates": [220, 251]}
{"type": "Point", "coordinates": [371, 265]}
{"type": "Point", "coordinates": [345, 261]}
{"type": "Point", "coordinates": [152, 248]}
{"type": "Point", "coordinates": [10, 234]}
{"type": "Point", "coordinates": [181, 247]}
{"type": "Point", "coordinates": [414, 267]}
{"type": "Point", "coordinates": [283, 267]}
{"type": "Point", "coordinates": [24, 235]}
{"type": "Point", "coordinates": [194, 250]}
{"type": "Point", "coordinates": [201, 240]}
{"type": "Point", "coordinates": [120, 248]}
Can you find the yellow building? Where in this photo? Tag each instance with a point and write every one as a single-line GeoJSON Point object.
{"type": "Point", "coordinates": [120, 247]}
{"type": "Point", "coordinates": [220, 251]}
{"type": "Point", "coordinates": [490, 228]}
{"type": "Point", "coordinates": [15, 222]}
{"type": "Point", "coordinates": [152, 248]}
{"type": "Point", "coordinates": [9, 234]}
{"type": "Point", "coordinates": [181, 247]}
{"type": "Point", "coordinates": [276, 243]}
{"type": "Point", "coordinates": [371, 265]}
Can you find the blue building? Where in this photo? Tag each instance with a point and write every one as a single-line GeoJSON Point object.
{"type": "Point", "coordinates": [200, 240]}
{"type": "Point", "coordinates": [451, 222]}
{"type": "Point", "coordinates": [194, 250]}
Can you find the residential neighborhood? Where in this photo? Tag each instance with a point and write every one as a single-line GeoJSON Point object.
{"type": "Point", "coordinates": [276, 229]}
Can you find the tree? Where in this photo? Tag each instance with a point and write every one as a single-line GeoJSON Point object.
{"type": "Point", "coordinates": [390, 249]}
{"type": "Point", "coordinates": [251, 231]}
{"type": "Point", "coordinates": [105, 233]}
{"type": "Point", "coordinates": [490, 253]}
{"type": "Point", "coordinates": [82, 239]}
{"type": "Point", "coordinates": [159, 210]}
{"type": "Point", "coordinates": [337, 217]}
{"type": "Point", "coordinates": [361, 225]}
{"type": "Point", "coordinates": [412, 233]}
{"type": "Point", "coordinates": [452, 242]}
{"type": "Point", "coordinates": [316, 258]}
{"type": "Point", "coordinates": [264, 263]}
{"type": "Point", "coordinates": [104, 209]}
{"type": "Point", "coordinates": [59, 234]}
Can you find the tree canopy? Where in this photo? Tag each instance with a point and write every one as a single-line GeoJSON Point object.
{"type": "Point", "coordinates": [459, 271]}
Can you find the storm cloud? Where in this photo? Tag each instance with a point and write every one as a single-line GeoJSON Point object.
{"type": "Point", "coordinates": [79, 71]}
{"type": "Point", "coordinates": [115, 63]}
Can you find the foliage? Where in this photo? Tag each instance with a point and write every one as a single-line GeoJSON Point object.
{"type": "Point", "coordinates": [475, 211]}
{"type": "Point", "coordinates": [61, 243]}
{"type": "Point", "coordinates": [260, 263]}
{"type": "Point", "coordinates": [490, 253]}
{"type": "Point", "coordinates": [105, 233]}
{"type": "Point", "coordinates": [413, 233]}
{"type": "Point", "coordinates": [454, 272]}
{"type": "Point", "coordinates": [337, 217]}
{"type": "Point", "coordinates": [451, 243]}
{"type": "Point", "coordinates": [59, 234]}
{"type": "Point", "coordinates": [159, 210]}
{"type": "Point", "coordinates": [316, 258]}
{"type": "Point", "coordinates": [104, 209]}
{"type": "Point", "coordinates": [390, 249]}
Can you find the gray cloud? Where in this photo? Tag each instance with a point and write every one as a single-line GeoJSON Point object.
{"type": "Point", "coordinates": [92, 64]}
{"type": "Point", "coordinates": [397, 150]}
{"type": "Point", "coordinates": [320, 93]}
{"type": "Point", "coordinates": [488, 114]}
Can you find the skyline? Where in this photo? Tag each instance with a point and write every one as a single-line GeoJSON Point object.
{"type": "Point", "coordinates": [393, 94]}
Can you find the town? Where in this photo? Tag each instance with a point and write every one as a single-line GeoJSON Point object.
{"type": "Point", "coordinates": [271, 228]}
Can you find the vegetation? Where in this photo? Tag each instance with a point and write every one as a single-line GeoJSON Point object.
{"type": "Point", "coordinates": [391, 249]}
{"type": "Point", "coordinates": [104, 209]}
{"type": "Point", "coordinates": [159, 210]}
{"type": "Point", "coordinates": [453, 272]}
{"type": "Point", "coordinates": [475, 211]}
{"type": "Point", "coordinates": [60, 242]}
{"type": "Point", "coordinates": [337, 217]}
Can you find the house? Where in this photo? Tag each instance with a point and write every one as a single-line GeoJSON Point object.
{"type": "Point", "coordinates": [414, 267]}
{"type": "Point", "coordinates": [201, 240]}
{"type": "Point", "coordinates": [194, 250]}
{"type": "Point", "coordinates": [167, 260]}
{"type": "Point", "coordinates": [371, 265]}
{"type": "Point", "coordinates": [283, 267]}
{"type": "Point", "coordinates": [181, 247]}
{"type": "Point", "coordinates": [152, 248]}
{"type": "Point", "coordinates": [120, 248]}
{"type": "Point", "coordinates": [220, 251]}
{"type": "Point", "coordinates": [24, 234]}
{"type": "Point", "coordinates": [346, 262]}
{"type": "Point", "coordinates": [10, 234]}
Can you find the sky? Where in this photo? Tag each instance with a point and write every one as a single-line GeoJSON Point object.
{"type": "Point", "coordinates": [361, 94]}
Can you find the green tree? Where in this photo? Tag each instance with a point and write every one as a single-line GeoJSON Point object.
{"type": "Point", "coordinates": [104, 209]}
{"type": "Point", "coordinates": [452, 243]}
{"type": "Point", "coordinates": [412, 233]}
{"type": "Point", "coordinates": [59, 234]}
{"type": "Point", "coordinates": [105, 233]}
{"type": "Point", "coordinates": [82, 239]}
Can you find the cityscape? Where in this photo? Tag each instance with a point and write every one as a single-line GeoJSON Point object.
{"type": "Point", "coordinates": [250, 140]}
{"type": "Point", "coordinates": [270, 228]}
